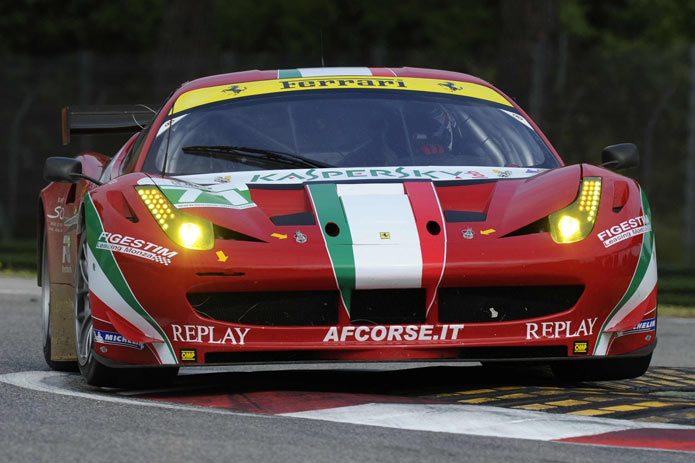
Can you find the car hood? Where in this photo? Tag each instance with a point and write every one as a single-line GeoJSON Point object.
{"type": "Point", "coordinates": [257, 203]}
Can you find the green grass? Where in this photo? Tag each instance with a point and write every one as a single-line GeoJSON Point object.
{"type": "Point", "coordinates": [18, 255]}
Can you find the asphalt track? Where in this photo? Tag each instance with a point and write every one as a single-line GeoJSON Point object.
{"type": "Point", "coordinates": [355, 412]}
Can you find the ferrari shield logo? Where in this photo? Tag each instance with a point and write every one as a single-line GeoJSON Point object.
{"type": "Point", "coordinates": [385, 235]}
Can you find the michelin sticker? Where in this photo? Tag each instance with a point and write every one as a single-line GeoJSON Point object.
{"type": "Point", "coordinates": [643, 327]}
{"type": "Point", "coordinates": [624, 230]}
{"type": "Point", "coordinates": [115, 339]}
{"type": "Point", "coordinates": [115, 242]}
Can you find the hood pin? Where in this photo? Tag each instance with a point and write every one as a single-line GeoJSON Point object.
{"type": "Point", "coordinates": [468, 233]}
{"type": "Point", "coordinates": [300, 237]}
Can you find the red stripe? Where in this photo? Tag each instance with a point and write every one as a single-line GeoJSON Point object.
{"type": "Point", "coordinates": [654, 438]}
{"type": "Point", "coordinates": [382, 72]}
{"type": "Point", "coordinates": [425, 205]}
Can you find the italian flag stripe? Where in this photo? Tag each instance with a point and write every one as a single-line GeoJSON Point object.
{"type": "Point", "coordinates": [329, 210]}
{"type": "Point", "coordinates": [641, 286]}
{"type": "Point", "coordinates": [426, 208]}
{"type": "Point", "coordinates": [108, 283]}
{"type": "Point", "coordinates": [288, 73]}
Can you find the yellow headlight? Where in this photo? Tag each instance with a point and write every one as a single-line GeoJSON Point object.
{"type": "Point", "coordinates": [575, 222]}
{"type": "Point", "coordinates": [568, 227]}
{"type": "Point", "coordinates": [189, 233]}
{"type": "Point", "coordinates": [184, 229]}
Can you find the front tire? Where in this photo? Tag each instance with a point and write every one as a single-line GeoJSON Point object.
{"type": "Point", "coordinates": [602, 369]}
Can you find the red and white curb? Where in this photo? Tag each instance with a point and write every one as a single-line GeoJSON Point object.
{"type": "Point", "coordinates": [369, 410]}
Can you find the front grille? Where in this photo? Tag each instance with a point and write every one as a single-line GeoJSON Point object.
{"type": "Point", "coordinates": [288, 308]}
{"type": "Point", "coordinates": [505, 303]}
{"type": "Point", "coordinates": [388, 306]}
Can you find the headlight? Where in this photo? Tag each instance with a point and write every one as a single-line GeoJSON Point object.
{"type": "Point", "coordinates": [575, 222]}
{"type": "Point", "coordinates": [184, 229]}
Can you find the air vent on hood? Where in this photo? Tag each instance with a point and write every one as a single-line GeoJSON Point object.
{"type": "Point", "coordinates": [222, 233]}
{"type": "Point", "coordinates": [539, 226]}
{"type": "Point", "coordinates": [464, 216]}
{"type": "Point", "coordinates": [300, 218]}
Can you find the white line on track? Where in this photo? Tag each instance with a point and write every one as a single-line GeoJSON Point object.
{"type": "Point", "coordinates": [477, 420]}
{"type": "Point", "coordinates": [36, 381]}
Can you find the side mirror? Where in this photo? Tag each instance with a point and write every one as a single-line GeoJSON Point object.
{"type": "Point", "coordinates": [620, 156]}
{"type": "Point", "coordinates": [65, 170]}
{"type": "Point", "coordinates": [62, 170]}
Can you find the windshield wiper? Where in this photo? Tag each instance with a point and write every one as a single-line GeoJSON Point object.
{"type": "Point", "coordinates": [278, 157]}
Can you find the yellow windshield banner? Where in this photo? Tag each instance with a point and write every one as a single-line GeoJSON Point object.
{"type": "Point", "coordinates": [208, 95]}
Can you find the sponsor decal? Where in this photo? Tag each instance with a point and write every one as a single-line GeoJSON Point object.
{"type": "Point", "coordinates": [225, 179]}
{"type": "Point", "coordinates": [115, 339]}
{"type": "Point", "coordinates": [291, 81]}
{"type": "Point", "coordinates": [221, 257]}
{"type": "Point", "coordinates": [135, 247]}
{"type": "Point", "coordinates": [554, 330]}
{"type": "Point", "coordinates": [503, 173]}
{"type": "Point", "coordinates": [66, 249]}
{"type": "Point", "coordinates": [235, 89]}
{"type": "Point", "coordinates": [188, 355]}
{"type": "Point", "coordinates": [451, 86]}
{"type": "Point", "coordinates": [299, 237]}
{"type": "Point", "coordinates": [581, 347]}
{"type": "Point", "coordinates": [220, 195]}
{"type": "Point", "coordinates": [59, 213]}
{"type": "Point", "coordinates": [337, 83]}
{"type": "Point", "coordinates": [518, 117]}
{"type": "Point", "coordinates": [208, 334]}
{"type": "Point", "coordinates": [379, 333]}
{"type": "Point", "coordinates": [624, 230]}
{"type": "Point", "coordinates": [643, 326]}
{"type": "Point", "coordinates": [385, 235]}
{"type": "Point", "coordinates": [468, 233]}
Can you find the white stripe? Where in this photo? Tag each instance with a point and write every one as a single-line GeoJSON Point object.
{"type": "Point", "coordinates": [36, 381]}
{"type": "Point", "coordinates": [323, 72]}
{"type": "Point", "coordinates": [477, 420]}
{"type": "Point", "coordinates": [190, 195]}
{"type": "Point", "coordinates": [382, 261]}
{"type": "Point", "coordinates": [441, 216]}
{"type": "Point", "coordinates": [102, 288]}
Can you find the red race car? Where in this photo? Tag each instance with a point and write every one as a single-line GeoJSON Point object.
{"type": "Point", "coordinates": [340, 214]}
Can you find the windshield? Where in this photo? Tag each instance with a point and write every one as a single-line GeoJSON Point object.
{"type": "Point", "coordinates": [348, 128]}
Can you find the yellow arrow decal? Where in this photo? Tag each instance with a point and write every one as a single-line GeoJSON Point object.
{"type": "Point", "coordinates": [221, 257]}
{"type": "Point", "coordinates": [279, 236]}
{"type": "Point", "coordinates": [488, 231]}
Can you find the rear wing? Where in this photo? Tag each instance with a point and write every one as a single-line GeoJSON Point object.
{"type": "Point", "coordinates": [105, 119]}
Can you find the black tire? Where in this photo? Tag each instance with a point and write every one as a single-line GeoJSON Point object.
{"type": "Point", "coordinates": [94, 372]}
{"type": "Point", "coordinates": [46, 314]}
{"type": "Point", "coordinates": [604, 369]}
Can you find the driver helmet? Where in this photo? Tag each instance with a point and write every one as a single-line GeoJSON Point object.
{"type": "Point", "coordinates": [433, 133]}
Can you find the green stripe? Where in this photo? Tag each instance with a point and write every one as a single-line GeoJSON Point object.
{"type": "Point", "coordinates": [289, 73]}
{"type": "Point", "coordinates": [110, 267]}
{"type": "Point", "coordinates": [330, 209]}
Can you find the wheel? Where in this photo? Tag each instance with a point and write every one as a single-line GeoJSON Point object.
{"type": "Point", "coordinates": [604, 369]}
{"type": "Point", "coordinates": [46, 314]}
{"type": "Point", "coordinates": [94, 372]}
